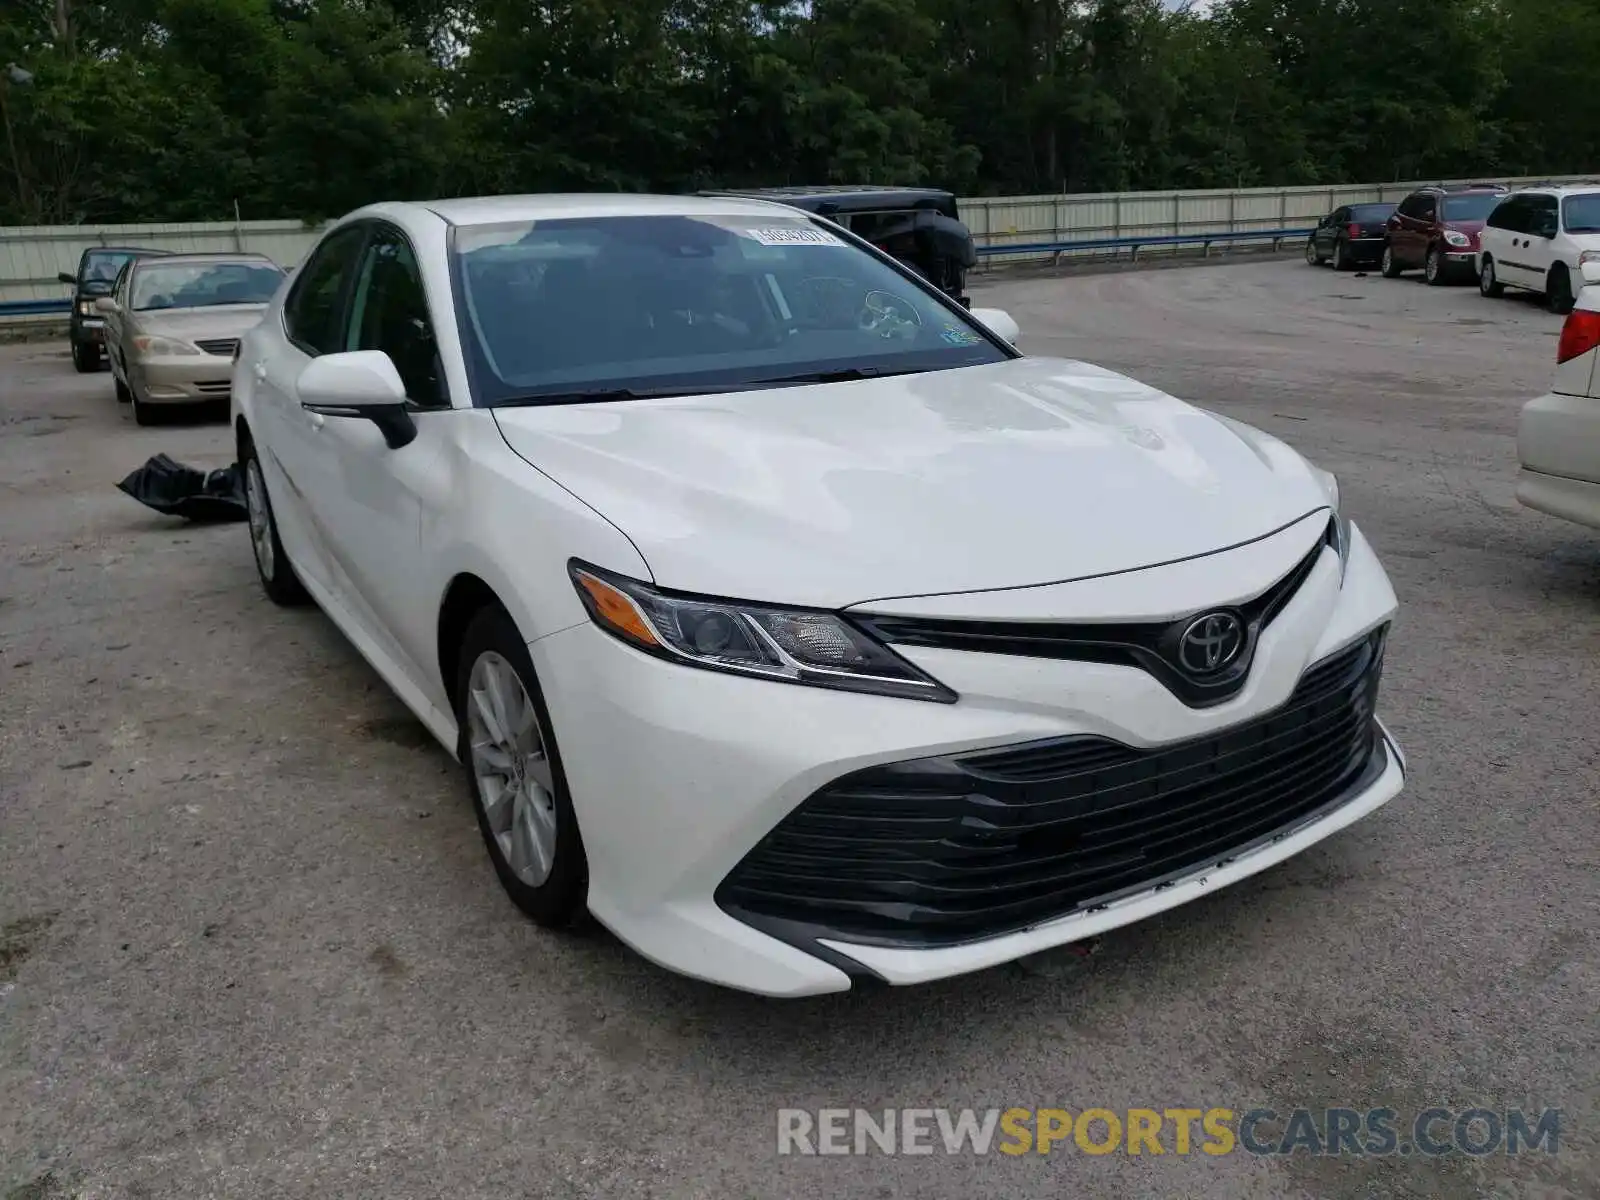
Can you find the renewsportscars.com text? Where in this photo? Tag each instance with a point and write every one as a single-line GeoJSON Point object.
{"type": "Point", "coordinates": [1433, 1132]}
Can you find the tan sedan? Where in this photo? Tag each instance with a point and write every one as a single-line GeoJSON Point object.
{"type": "Point", "coordinates": [173, 323]}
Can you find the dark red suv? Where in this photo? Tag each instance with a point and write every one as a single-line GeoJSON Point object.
{"type": "Point", "coordinates": [1436, 228]}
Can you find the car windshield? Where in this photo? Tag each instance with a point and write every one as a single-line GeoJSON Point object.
{"type": "Point", "coordinates": [101, 266]}
{"type": "Point", "coordinates": [1474, 207]}
{"type": "Point", "coordinates": [577, 308]}
{"type": "Point", "coordinates": [1581, 214]}
{"type": "Point", "coordinates": [1371, 212]}
{"type": "Point", "coordinates": [204, 285]}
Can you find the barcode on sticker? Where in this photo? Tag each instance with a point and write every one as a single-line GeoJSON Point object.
{"type": "Point", "coordinates": [793, 237]}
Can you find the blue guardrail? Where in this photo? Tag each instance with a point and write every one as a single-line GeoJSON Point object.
{"type": "Point", "coordinates": [35, 308]}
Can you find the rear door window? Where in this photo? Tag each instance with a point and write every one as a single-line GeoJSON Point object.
{"type": "Point", "coordinates": [1581, 213]}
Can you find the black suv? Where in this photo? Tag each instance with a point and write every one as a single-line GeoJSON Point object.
{"type": "Point", "coordinates": [918, 226]}
{"type": "Point", "coordinates": [97, 272]}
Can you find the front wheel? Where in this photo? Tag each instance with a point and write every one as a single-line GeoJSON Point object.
{"type": "Point", "coordinates": [1488, 282]}
{"type": "Point", "coordinates": [85, 357]}
{"type": "Point", "coordinates": [514, 772]}
{"type": "Point", "coordinates": [144, 414]}
{"type": "Point", "coordinates": [1558, 291]}
{"type": "Point", "coordinates": [1433, 267]}
{"type": "Point", "coordinates": [1391, 265]}
{"type": "Point", "coordinates": [277, 575]}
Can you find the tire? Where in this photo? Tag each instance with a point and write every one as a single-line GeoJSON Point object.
{"type": "Point", "coordinates": [1341, 259]}
{"type": "Point", "coordinates": [1558, 290]}
{"type": "Point", "coordinates": [124, 396]}
{"type": "Point", "coordinates": [1313, 256]}
{"type": "Point", "coordinates": [85, 358]}
{"type": "Point", "coordinates": [1488, 283]}
{"type": "Point", "coordinates": [144, 414]}
{"type": "Point", "coordinates": [1433, 268]}
{"type": "Point", "coordinates": [273, 567]}
{"type": "Point", "coordinates": [1390, 267]}
{"type": "Point", "coordinates": [518, 787]}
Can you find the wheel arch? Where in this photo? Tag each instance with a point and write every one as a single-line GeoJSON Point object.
{"type": "Point", "coordinates": [465, 596]}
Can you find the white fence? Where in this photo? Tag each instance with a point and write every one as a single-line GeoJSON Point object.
{"type": "Point", "coordinates": [31, 256]}
{"type": "Point", "coordinates": [1024, 220]}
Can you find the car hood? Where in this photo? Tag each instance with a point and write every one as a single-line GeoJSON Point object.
{"type": "Point", "coordinates": [218, 321]}
{"type": "Point", "coordinates": [1025, 472]}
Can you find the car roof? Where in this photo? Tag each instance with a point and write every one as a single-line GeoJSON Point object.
{"type": "Point", "coordinates": [125, 250]}
{"type": "Point", "coordinates": [845, 198]}
{"type": "Point", "coordinates": [1451, 189]}
{"type": "Point", "coordinates": [1559, 189]}
{"type": "Point", "coordinates": [199, 257]}
{"type": "Point", "coordinates": [489, 210]}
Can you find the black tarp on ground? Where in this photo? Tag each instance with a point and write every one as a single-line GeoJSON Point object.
{"type": "Point", "coordinates": [180, 491]}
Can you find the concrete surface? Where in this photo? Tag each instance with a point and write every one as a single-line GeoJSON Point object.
{"type": "Point", "coordinates": [251, 946]}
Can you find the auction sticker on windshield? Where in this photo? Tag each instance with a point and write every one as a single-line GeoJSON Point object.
{"type": "Point", "coordinates": [792, 237]}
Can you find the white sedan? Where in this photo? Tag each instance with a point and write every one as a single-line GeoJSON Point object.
{"type": "Point", "coordinates": [781, 612]}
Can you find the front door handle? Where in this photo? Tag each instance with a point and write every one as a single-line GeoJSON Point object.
{"type": "Point", "coordinates": [259, 370]}
{"type": "Point", "coordinates": [317, 419]}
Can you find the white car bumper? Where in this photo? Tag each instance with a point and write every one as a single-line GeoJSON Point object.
{"type": "Point", "coordinates": [678, 773]}
{"type": "Point", "coordinates": [1558, 446]}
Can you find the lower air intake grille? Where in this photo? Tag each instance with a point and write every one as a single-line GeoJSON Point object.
{"type": "Point", "coordinates": [945, 850]}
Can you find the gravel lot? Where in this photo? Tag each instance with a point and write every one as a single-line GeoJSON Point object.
{"type": "Point", "coordinates": [250, 944]}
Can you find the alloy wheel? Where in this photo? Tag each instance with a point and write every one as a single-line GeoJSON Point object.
{"type": "Point", "coordinates": [511, 768]}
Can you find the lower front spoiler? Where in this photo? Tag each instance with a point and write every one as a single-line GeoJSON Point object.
{"type": "Point", "coordinates": [898, 966]}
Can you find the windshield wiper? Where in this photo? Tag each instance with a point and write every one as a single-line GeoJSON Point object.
{"type": "Point", "coordinates": [843, 375]}
{"type": "Point", "coordinates": [601, 395]}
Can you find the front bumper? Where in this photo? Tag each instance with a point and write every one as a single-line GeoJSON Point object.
{"type": "Point", "coordinates": [184, 379]}
{"type": "Point", "coordinates": [678, 774]}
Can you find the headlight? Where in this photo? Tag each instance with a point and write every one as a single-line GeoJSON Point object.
{"type": "Point", "coordinates": [1456, 238]}
{"type": "Point", "coordinates": [86, 308]}
{"type": "Point", "coordinates": [1588, 256]}
{"type": "Point", "coordinates": [149, 343]}
{"type": "Point", "coordinates": [804, 646]}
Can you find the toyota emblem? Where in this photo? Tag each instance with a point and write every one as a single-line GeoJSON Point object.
{"type": "Point", "coordinates": [1210, 643]}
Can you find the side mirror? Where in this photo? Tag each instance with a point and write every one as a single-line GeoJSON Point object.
{"type": "Point", "coordinates": [68, 278]}
{"type": "Point", "coordinates": [105, 306]}
{"type": "Point", "coordinates": [999, 323]}
{"type": "Point", "coordinates": [360, 384]}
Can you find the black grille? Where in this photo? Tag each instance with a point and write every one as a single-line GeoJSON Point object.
{"type": "Point", "coordinates": [223, 346]}
{"type": "Point", "coordinates": [1151, 646]}
{"type": "Point", "coordinates": [944, 850]}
